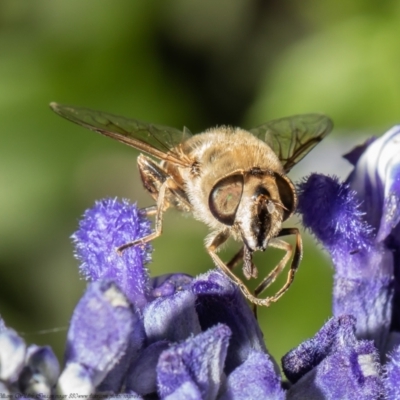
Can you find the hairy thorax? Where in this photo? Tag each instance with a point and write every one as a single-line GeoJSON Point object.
{"type": "Point", "coordinates": [218, 153]}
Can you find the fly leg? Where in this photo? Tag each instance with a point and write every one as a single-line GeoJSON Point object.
{"type": "Point", "coordinates": [236, 259]}
{"type": "Point", "coordinates": [249, 269]}
{"type": "Point", "coordinates": [149, 211]}
{"type": "Point", "coordinates": [212, 245]}
{"type": "Point", "coordinates": [298, 253]}
{"type": "Point", "coordinates": [216, 241]}
{"type": "Point", "coordinates": [245, 255]}
{"type": "Point", "coordinates": [158, 211]}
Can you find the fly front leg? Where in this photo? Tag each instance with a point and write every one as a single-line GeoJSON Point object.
{"type": "Point", "coordinates": [298, 254]}
{"type": "Point", "coordinates": [149, 211]}
{"type": "Point", "coordinates": [212, 246]}
{"type": "Point", "coordinates": [158, 211]}
{"type": "Point", "coordinates": [245, 255]}
{"type": "Point", "coordinates": [215, 242]}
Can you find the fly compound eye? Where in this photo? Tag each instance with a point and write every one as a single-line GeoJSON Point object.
{"type": "Point", "coordinates": [287, 195]}
{"type": "Point", "coordinates": [225, 197]}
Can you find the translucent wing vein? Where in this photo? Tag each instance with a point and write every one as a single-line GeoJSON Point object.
{"type": "Point", "coordinates": [160, 141]}
{"type": "Point", "coordinates": [293, 137]}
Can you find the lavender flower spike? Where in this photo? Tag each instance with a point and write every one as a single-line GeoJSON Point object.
{"type": "Point", "coordinates": [357, 223]}
{"type": "Point", "coordinates": [109, 224]}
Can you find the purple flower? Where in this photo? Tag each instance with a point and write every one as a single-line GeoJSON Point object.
{"type": "Point", "coordinates": [105, 227]}
{"type": "Point", "coordinates": [334, 364]}
{"type": "Point", "coordinates": [168, 337]}
{"type": "Point", "coordinates": [357, 222]}
{"type": "Point", "coordinates": [178, 337]}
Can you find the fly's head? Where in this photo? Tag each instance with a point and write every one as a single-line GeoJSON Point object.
{"type": "Point", "coordinates": [254, 203]}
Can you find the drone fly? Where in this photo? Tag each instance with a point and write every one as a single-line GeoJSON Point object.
{"type": "Point", "coordinates": [232, 179]}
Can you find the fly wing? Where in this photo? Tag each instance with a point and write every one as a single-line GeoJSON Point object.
{"type": "Point", "coordinates": [291, 138]}
{"type": "Point", "coordinates": [160, 141]}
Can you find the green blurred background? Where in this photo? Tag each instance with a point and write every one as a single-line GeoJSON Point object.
{"type": "Point", "coordinates": [194, 63]}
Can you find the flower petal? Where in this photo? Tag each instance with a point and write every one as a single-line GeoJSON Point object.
{"type": "Point", "coordinates": [114, 380]}
{"type": "Point", "coordinates": [369, 299]}
{"type": "Point", "coordinates": [171, 318]}
{"type": "Point", "coordinates": [75, 378]}
{"type": "Point", "coordinates": [106, 226]}
{"type": "Point", "coordinates": [220, 301]}
{"type": "Point", "coordinates": [12, 355]}
{"type": "Point", "coordinates": [196, 362]}
{"type": "Point", "coordinates": [336, 333]}
{"type": "Point", "coordinates": [256, 378]}
{"type": "Point", "coordinates": [41, 371]}
{"type": "Point", "coordinates": [141, 377]}
{"type": "Point", "coordinates": [187, 391]}
{"type": "Point", "coordinates": [334, 365]}
{"type": "Point", "coordinates": [350, 373]}
{"type": "Point", "coordinates": [354, 155]}
{"type": "Point", "coordinates": [100, 330]}
{"type": "Point", "coordinates": [376, 179]}
{"type": "Point", "coordinates": [4, 390]}
{"type": "Point", "coordinates": [392, 375]}
{"type": "Point", "coordinates": [167, 285]}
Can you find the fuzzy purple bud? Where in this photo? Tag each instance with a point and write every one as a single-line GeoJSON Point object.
{"type": "Point", "coordinates": [364, 269]}
{"type": "Point", "coordinates": [105, 227]}
{"type": "Point", "coordinates": [331, 210]}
